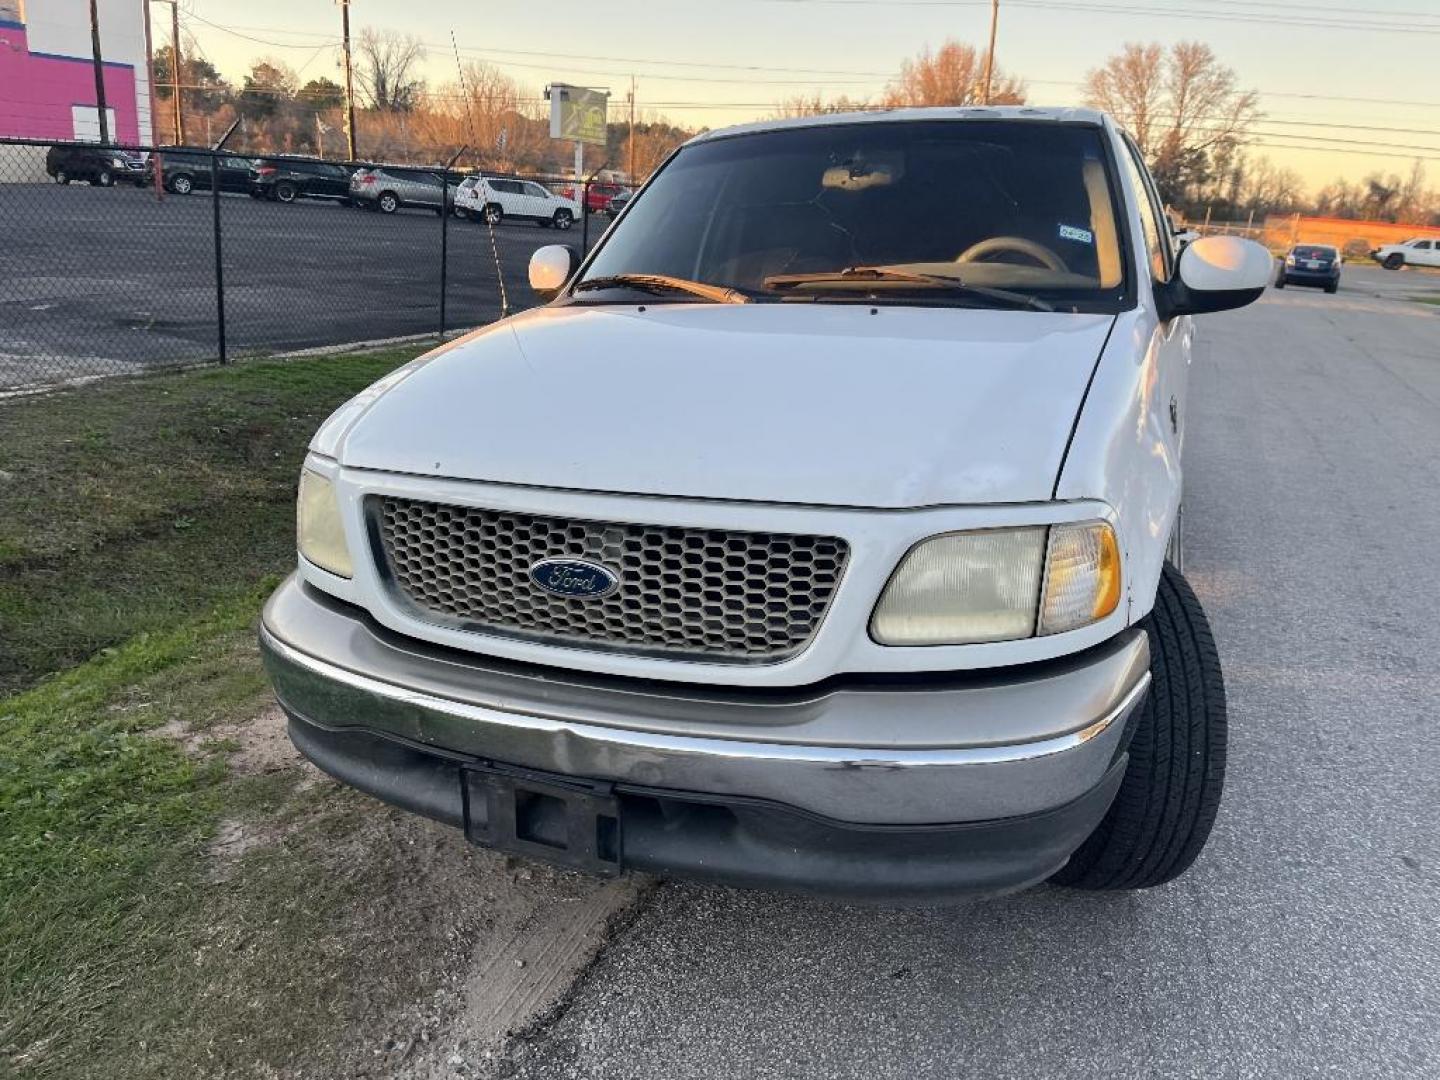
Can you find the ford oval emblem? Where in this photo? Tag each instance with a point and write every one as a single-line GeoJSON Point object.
{"type": "Point", "coordinates": [574, 578]}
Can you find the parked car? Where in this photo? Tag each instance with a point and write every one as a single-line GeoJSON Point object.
{"type": "Point", "coordinates": [878, 592]}
{"type": "Point", "coordinates": [618, 203]}
{"type": "Point", "coordinates": [1310, 264]}
{"type": "Point", "coordinates": [597, 197]}
{"type": "Point", "coordinates": [99, 165]}
{"type": "Point", "coordinates": [495, 198]}
{"type": "Point", "coordinates": [287, 179]}
{"type": "Point", "coordinates": [188, 168]}
{"type": "Point", "coordinates": [387, 188]}
{"type": "Point", "coordinates": [1421, 251]}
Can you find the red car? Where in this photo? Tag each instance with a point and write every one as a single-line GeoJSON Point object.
{"type": "Point", "coordinates": [598, 197]}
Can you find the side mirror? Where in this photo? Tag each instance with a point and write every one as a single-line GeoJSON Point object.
{"type": "Point", "coordinates": [550, 268]}
{"type": "Point", "coordinates": [1216, 273]}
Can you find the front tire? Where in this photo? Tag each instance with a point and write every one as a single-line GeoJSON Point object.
{"type": "Point", "coordinates": [1167, 802]}
{"type": "Point", "coordinates": [104, 178]}
{"type": "Point", "coordinates": [62, 177]}
{"type": "Point", "coordinates": [1393, 261]}
{"type": "Point", "coordinates": [563, 219]}
{"type": "Point", "coordinates": [493, 214]}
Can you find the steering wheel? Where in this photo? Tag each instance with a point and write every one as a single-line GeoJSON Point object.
{"type": "Point", "coordinates": [1018, 244]}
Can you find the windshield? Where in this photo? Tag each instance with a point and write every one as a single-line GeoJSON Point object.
{"type": "Point", "coordinates": [1020, 206]}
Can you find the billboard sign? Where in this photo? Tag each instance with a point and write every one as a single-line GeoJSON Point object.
{"type": "Point", "coordinates": [577, 114]}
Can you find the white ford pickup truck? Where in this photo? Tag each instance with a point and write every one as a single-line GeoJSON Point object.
{"type": "Point", "coordinates": [821, 531]}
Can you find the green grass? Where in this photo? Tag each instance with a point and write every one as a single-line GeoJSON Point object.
{"type": "Point", "coordinates": [126, 507]}
{"type": "Point", "coordinates": [1431, 299]}
{"type": "Point", "coordinates": [141, 525]}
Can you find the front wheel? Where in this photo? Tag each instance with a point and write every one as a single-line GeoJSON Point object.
{"type": "Point", "coordinates": [563, 219]}
{"type": "Point", "coordinates": [1393, 261]}
{"type": "Point", "coordinates": [104, 178]}
{"type": "Point", "coordinates": [61, 176]}
{"type": "Point", "coordinates": [494, 215]}
{"type": "Point", "coordinates": [182, 185]}
{"type": "Point", "coordinates": [1167, 801]}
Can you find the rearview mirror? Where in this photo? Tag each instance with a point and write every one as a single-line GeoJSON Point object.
{"type": "Point", "coordinates": [550, 268]}
{"type": "Point", "coordinates": [1216, 273]}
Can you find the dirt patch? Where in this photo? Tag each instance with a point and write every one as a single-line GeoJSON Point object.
{"type": "Point", "coordinates": [256, 746]}
{"type": "Point", "coordinates": [416, 954]}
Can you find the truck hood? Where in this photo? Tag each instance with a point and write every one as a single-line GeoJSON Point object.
{"type": "Point", "coordinates": [816, 403]}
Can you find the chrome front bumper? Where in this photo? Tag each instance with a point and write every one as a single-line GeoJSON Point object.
{"type": "Point", "coordinates": [875, 751]}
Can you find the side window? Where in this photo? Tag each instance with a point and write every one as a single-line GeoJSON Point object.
{"type": "Point", "coordinates": [536, 190]}
{"type": "Point", "coordinates": [1423, 245]}
{"type": "Point", "coordinates": [1153, 222]}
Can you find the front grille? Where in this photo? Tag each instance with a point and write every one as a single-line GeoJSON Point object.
{"type": "Point", "coordinates": [712, 594]}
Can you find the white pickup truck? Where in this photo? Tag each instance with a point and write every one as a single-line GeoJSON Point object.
{"type": "Point", "coordinates": [820, 532]}
{"type": "Point", "coordinates": [1420, 251]}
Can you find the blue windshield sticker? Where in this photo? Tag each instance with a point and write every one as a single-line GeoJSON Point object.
{"type": "Point", "coordinates": [1070, 232]}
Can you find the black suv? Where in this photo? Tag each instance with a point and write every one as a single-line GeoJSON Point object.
{"type": "Point", "coordinates": [100, 165]}
{"type": "Point", "coordinates": [188, 169]}
{"type": "Point", "coordinates": [287, 179]}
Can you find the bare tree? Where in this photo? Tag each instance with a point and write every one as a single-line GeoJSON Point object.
{"type": "Point", "coordinates": [1131, 88]}
{"type": "Point", "coordinates": [952, 75]}
{"type": "Point", "coordinates": [1183, 107]}
{"type": "Point", "coordinates": [817, 105]}
{"type": "Point", "coordinates": [385, 68]}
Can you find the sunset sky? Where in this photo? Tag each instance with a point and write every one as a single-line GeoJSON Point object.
{"type": "Point", "coordinates": [1347, 88]}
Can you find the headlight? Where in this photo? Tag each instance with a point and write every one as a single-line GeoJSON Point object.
{"type": "Point", "coordinates": [319, 530]}
{"type": "Point", "coordinates": [1000, 585]}
{"type": "Point", "coordinates": [1289, 260]}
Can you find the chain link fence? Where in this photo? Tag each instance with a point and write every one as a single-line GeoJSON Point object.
{"type": "Point", "coordinates": [122, 259]}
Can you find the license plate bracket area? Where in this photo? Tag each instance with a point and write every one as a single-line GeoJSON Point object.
{"type": "Point", "coordinates": [574, 823]}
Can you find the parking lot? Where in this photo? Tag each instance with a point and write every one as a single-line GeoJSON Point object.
{"type": "Point", "coordinates": [104, 281]}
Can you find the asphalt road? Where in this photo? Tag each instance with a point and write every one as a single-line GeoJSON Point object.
{"type": "Point", "coordinates": [100, 281]}
{"type": "Point", "coordinates": [1305, 942]}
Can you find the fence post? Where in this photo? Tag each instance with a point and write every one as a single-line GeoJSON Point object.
{"type": "Point", "coordinates": [444, 244]}
{"type": "Point", "coordinates": [219, 266]}
{"type": "Point", "coordinates": [585, 219]}
{"type": "Point", "coordinates": [445, 209]}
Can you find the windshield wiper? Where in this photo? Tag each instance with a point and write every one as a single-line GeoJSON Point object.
{"type": "Point", "coordinates": [853, 274]}
{"type": "Point", "coordinates": [662, 283]}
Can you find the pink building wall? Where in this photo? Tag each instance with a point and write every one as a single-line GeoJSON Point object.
{"type": "Point", "coordinates": [37, 91]}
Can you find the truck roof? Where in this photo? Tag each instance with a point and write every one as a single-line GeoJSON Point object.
{"type": "Point", "coordinates": [880, 116]}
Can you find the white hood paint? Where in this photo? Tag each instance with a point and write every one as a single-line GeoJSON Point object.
{"type": "Point", "coordinates": [815, 403]}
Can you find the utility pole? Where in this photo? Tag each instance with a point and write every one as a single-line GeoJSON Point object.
{"type": "Point", "coordinates": [179, 118]}
{"type": "Point", "coordinates": [157, 159]}
{"type": "Point", "coordinates": [630, 169]}
{"type": "Point", "coordinates": [990, 55]}
{"type": "Point", "coordinates": [99, 73]}
{"type": "Point", "coordinates": [349, 80]}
